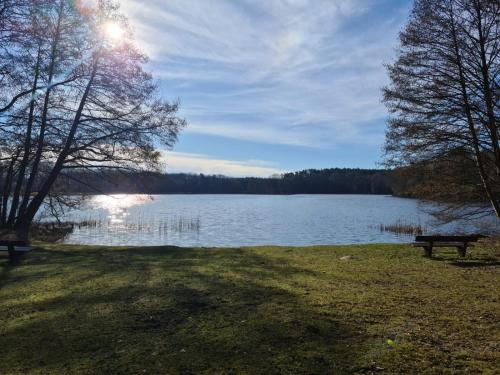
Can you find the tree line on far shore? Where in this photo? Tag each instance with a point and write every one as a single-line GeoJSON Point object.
{"type": "Point", "coordinates": [310, 181]}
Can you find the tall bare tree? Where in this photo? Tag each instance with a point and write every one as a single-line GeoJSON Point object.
{"type": "Point", "coordinates": [77, 98]}
{"type": "Point", "coordinates": [444, 98]}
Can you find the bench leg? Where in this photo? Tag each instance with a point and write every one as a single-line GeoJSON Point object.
{"type": "Point", "coordinates": [13, 255]}
{"type": "Point", "coordinates": [428, 251]}
{"type": "Point", "coordinates": [462, 250]}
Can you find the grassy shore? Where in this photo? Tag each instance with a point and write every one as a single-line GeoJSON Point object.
{"type": "Point", "coordinates": [265, 310]}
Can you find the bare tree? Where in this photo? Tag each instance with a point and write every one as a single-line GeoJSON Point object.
{"type": "Point", "coordinates": [444, 98]}
{"type": "Point", "coordinates": [19, 25]}
{"type": "Point", "coordinates": [90, 105]}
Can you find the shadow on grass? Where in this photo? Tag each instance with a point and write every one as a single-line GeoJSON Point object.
{"type": "Point", "coordinates": [7, 266]}
{"type": "Point", "coordinates": [5, 269]}
{"type": "Point", "coordinates": [469, 261]}
{"type": "Point", "coordinates": [488, 262]}
{"type": "Point", "coordinates": [170, 310]}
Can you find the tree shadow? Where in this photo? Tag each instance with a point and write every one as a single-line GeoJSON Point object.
{"type": "Point", "coordinates": [5, 269]}
{"type": "Point", "coordinates": [171, 310]}
{"type": "Point", "coordinates": [479, 257]}
{"type": "Point", "coordinates": [7, 266]}
{"type": "Point", "coordinates": [482, 263]}
{"type": "Point", "coordinates": [468, 262]}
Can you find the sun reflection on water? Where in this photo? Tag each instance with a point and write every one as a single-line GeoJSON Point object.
{"type": "Point", "coordinates": [117, 205]}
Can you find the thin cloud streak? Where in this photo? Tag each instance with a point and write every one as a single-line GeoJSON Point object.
{"type": "Point", "coordinates": [284, 71]}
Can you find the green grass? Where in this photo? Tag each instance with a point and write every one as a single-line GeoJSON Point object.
{"type": "Point", "coordinates": [264, 310]}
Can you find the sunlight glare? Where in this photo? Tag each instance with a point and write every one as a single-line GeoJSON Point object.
{"type": "Point", "coordinates": [113, 31]}
{"type": "Point", "coordinates": [117, 205]}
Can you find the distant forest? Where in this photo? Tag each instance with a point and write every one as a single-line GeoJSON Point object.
{"type": "Point", "coordinates": [310, 181]}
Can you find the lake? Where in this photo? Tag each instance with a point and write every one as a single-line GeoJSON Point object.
{"type": "Point", "coordinates": [244, 220]}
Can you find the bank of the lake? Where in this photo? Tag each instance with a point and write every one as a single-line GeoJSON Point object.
{"type": "Point", "coordinates": [263, 310]}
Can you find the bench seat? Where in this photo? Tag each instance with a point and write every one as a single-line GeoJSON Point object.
{"type": "Point", "coordinates": [22, 249]}
{"type": "Point", "coordinates": [441, 244]}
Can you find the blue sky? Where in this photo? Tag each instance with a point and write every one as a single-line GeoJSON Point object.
{"type": "Point", "coordinates": [269, 86]}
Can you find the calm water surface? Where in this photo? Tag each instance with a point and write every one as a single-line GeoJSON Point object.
{"type": "Point", "coordinates": [239, 220]}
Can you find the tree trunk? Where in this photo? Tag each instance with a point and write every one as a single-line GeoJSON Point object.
{"type": "Point", "coordinates": [470, 122]}
{"type": "Point", "coordinates": [27, 217]}
{"type": "Point", "coordinates": [487, 91]}
{"type": "Point", "coordinates": [6, 190]}
{"type": "Point", "coordinates": [27, 149]}
{"type": "Point", "coordinates": [41, 136]}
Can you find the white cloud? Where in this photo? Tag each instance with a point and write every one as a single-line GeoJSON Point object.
{"type": "Point", "coordinates": [178, 162]}
{"type": "Point", "coordinates": [318, 137]}
{"type": "Point", "coordinates": [251, 132]}
{"type": "Point", "coordinates": [283, 71]}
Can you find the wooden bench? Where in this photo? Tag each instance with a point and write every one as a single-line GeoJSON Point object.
{"type": "Point", "coordinates": [15, 248]}
{"type": "Point", "coordinates": [460, 242]}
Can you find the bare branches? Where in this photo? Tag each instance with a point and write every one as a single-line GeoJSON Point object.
{"type": "Point", "coordinates": [72, 101]}
{"type": "Point", "coordinates": [444, 99]}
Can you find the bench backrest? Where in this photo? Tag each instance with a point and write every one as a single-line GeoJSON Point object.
{"type": "Point", "coordinates": [471, 238]}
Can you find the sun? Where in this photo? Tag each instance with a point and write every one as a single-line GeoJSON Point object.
{"type": "Point", "coordinates": [113, 31]}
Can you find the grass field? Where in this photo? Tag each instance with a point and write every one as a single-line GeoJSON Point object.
{"type": "Point", "coordinates": [265, 310]}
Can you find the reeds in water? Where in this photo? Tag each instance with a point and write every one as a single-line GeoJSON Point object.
{"type": "Point", "coordinates": [403, 228]}
{"type": "Point", "coordinates": [139, 224]}
{"type": "Point", "coordinates": [58, 231]}
{"type": "Point", "coordinates": [180, 224]}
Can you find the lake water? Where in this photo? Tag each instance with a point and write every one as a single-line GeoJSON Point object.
{"type": "Point", "coordinates": [239, 220]}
